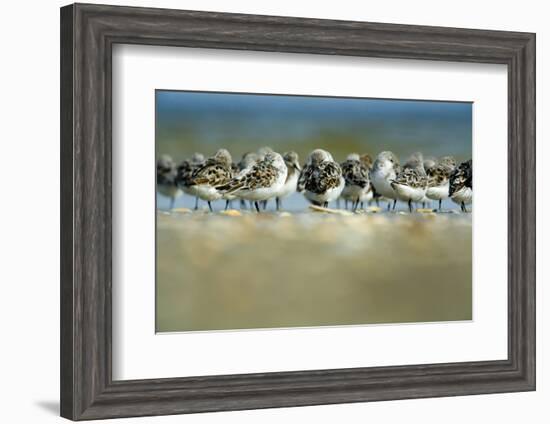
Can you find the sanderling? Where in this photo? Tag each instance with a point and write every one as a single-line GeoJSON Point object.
{"type": "Point", "coordinates": [321, 178]}
{"type": "Point", "coordinates": [262, 181]}
{"type": "Point", "coordinates": [411, 183]}
{"type": "Point", "coordinates": [385, 169]}
{"type": "Point", "coordinates": [357, 180]}
{"type": "Point", "coordinates": [227, 196]}
{"type": "Point", "coordinates": [438, 179]}
{"type": "Point", "coordinates": [247, 161]}
{"type": "Point", "coordinates": [429, 162]}
{"type": "Point", "coordinates": [262, 151]}
{"type": "Point", "coordinates": [185, 169]}
{"type": "Point", "coordinates": [368, 195]}
{"type": "Point", "coordinates": [166, 179]}
{"type": "Point", "coordinates": [215, 172]}
{"type": "Point", "coordinates": [292, 163]}
{"type": "Point", "coordinates": [460, 185]}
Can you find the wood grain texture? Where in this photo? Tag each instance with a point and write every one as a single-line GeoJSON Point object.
{"type": "Point", "coordinates": [88, 33]}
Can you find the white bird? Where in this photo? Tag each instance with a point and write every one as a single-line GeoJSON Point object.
{"type": "Point", "coordinates": [262, 181]}
{"type": "Point", "coordinates": [367, 196]}
{"type": "Point", "coordinates": [411, 183]}
{"type": "Point", "coordinates": [460, 185]}
{"type": "Point", "coordinates": [185, 170]}
{"type": "Point", "coordinates": [357, 180]}
{"type": "Point", "coordinates": [321, 178]}
{"type": "Point", "coordinates": [384, 170]}
{"type": "Point", "coordinates": [292, 163]}
{"type": "Point", "coordinates": [438, 179]}
{"type": "Point", "coordinates": [215, 172]}
{"type": "Point", "coordinates": [166, 179]}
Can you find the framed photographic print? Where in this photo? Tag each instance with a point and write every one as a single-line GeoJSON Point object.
{"type": "Point", "coordinates": [266, 211]}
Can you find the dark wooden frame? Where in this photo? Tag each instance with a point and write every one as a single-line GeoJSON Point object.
{"type": "Point", "coordinates": [88, 33]}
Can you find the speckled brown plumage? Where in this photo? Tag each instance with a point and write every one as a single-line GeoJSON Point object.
{"type": "Point", "coordinates": [440, 173]}
{"type": "Point", "coordinates": [461, 177]}
{"type": "Point", "coordinates": [320, 177]}
{"type": "Point", "coordinates": [355, 173]}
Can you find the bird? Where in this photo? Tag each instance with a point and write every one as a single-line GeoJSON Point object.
{"type": "Point", "coordinates": [385, 169]}
{"type": "Point", "coordinates": [356, 176]}
{"type": "Point", "coordinates": [292, 163]}
{"type": "Point", "coordinates": [438, 179]}
{"type": "Point", "coordinates": [261, 152]}
{"type": "Point", "coordinates": [184, 171]}
{"type": "Point", "coordinates": [230, 197]}
{"type": "Point", "coordinates": [429, 162]}
{"type": "Point", "coordinates": [368, 195]}
{"type": "Point", "coordinates": [460, 185]}
{"type": "Point", "coordinates": [411, 182]}
{"type": "Point", "coordinates": [166, 179]}
{"type": "Point", "coordinates": [214, 172]}
{"type": "Point", "coordinates": [321, 179]}
{"type": "Point", "coordinates": [247, 161]}
{"type": "Point", "coordinates": [261, 182]}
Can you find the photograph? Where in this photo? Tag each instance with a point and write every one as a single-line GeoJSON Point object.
{"type": "Point", "coordinates": [284, 211]}
{"type": "Point", "coordinates": [262, 209]}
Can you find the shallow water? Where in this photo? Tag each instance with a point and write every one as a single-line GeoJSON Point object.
{"type": "Point", "coordinates": [217, 272]}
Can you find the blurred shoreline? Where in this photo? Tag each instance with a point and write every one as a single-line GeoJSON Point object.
{"type": "Point", "coordinates": [243, 270]}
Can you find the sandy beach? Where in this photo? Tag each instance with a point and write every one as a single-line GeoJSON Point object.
{"type": "Point", "coordinates": [241, 270]}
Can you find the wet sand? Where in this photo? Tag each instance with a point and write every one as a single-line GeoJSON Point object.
{"type": "Point", "coordinates": [244, 270]}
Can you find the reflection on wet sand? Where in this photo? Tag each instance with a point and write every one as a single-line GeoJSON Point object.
{"type": "Point", "coordinates": [240, 270]}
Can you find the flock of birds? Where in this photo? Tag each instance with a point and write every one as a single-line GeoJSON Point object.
{"type": "Point", "coordinates": [264, 175]}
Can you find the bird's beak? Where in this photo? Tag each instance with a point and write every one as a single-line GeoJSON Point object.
{"type": "Point", "coordinates": [297, 167]}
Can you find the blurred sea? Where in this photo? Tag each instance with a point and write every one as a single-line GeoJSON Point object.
{"type": "Point", "coordinates": [190, 122]}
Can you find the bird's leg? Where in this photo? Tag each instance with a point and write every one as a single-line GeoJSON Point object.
{"type": "Point", "coordinates": [346, 204]}
{"type": "Point", "coordinates": [325, 205]}
{"type": "Point", "coordinates": [172, 202]}
{"type": "Point", "coordinates": [196, 202]}
{"type": "Point", "coordinates": [257, 207]}
{"type": "Point", "coordinates": [264, 204]}
{"type": "Point", "coordinates": [410, 206]}
{"type": "Point", "coordinates": [439, 205]}
{"type": "Point", "coordinates": [389, 206]}
{"type": "Point", "coordinates": [210, 206]}
{"type": "Point", "coordinates": [338, 203]}
{"type": "Point", "coordinates": [226, 204]}
{"type": "Point", "coordinates": [394, 203]}
{"type": "Point", "coordinates": [243, 204]}
{"type": "Point", "coordinates": [463, 207]}
{"type": "Point", "coordinates": [278, 203]}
